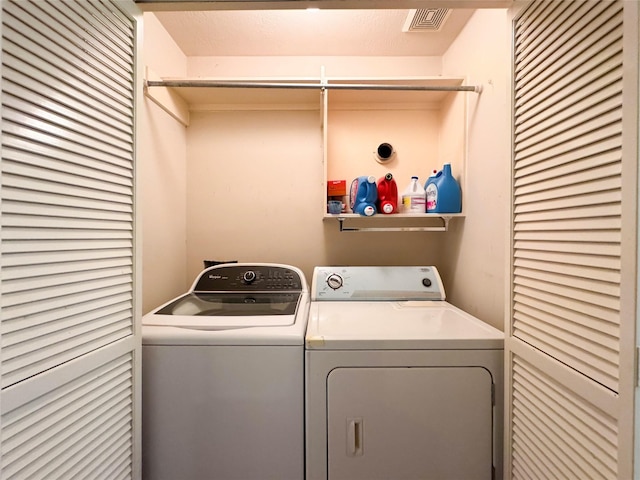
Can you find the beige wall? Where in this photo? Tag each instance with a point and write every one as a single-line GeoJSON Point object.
{"type": "Point", "coordinates": [310, 67]}
{"type": "Point", "coordinates": [162, 173]}
{"type": "Point", "coordinates": [354, 135]}
{"type": "Point", "coordinates": [255, 193]}
{"type": "Point", "coordinates": [252, 183]}
{"type": "Point", "coordinates": [477, 248]}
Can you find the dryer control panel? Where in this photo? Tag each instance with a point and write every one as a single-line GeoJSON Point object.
{"type": "Point", "coordinates": [376, 284]}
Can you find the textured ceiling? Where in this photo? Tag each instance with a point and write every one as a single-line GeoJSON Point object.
{"type": "Point", "coordinates": [302, 32]}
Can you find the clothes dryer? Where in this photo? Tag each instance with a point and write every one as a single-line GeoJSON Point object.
{"type": "Point", "coordinates": [399, 383]}
{"type": "Point", "coordinates": [223, 377]}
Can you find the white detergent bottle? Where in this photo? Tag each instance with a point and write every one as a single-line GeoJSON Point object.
{"type": "Point", "coordinates": [414, 198]}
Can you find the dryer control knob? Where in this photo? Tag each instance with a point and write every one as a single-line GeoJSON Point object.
{"type": "Point", "coordinates": [334, 281]}
{"type": "Point", "coordinates": [426, 282]}
{"type": "Point", "coordinates": [249, 276]}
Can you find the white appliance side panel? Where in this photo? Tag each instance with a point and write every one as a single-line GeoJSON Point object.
{"type": "Point", "coordinates": [223, 412]}
{"type": "Point", "coordinates": [407, 423]}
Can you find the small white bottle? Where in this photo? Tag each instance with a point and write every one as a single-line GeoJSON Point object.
{"type": "Point", "coordinates": [414, 198]}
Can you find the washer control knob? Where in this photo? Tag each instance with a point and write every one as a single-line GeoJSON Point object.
{"type": "Point", "coordinates": [249, 276]}
{"type": "Point", "coordinates": [426, 282]}
{"type": "Point", "coordinates": [334, 281]}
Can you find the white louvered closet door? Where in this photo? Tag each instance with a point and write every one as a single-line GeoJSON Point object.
{"type": "Point", "coordinates": [571, 341]}
{"type": "Point", "coordinates": [69, 347]}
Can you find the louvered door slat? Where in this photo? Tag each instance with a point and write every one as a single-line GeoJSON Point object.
{"type": "Point", "coordinates": [597, 250]}
{"type": "Point", "coordinates": [41, 148]}
{"type": "Point", "coordinates": [68, 314]}
{"type": "Point", "coordinates": [587, 298]}
{"type": "Point", "coordinates": [75, 414]}
{"type": "Point", "coordinates": [576, 111]}
{"type": "Point", "coordinates": [29, 271]}
{"type": "Point", "coordinates": [49, 135]}
{"type": "Point", "coordinates": [61, 211]}
{"type": "Point", "coordinates": [61, 167]}
{"type": "Point", "coordinates": [14, 47]}
{"type": "Point", "coordinates": [566, 206]}
{"type": "Point", "coordinates": [69, 47]}
{"type": "Point", "coordinates": [67, 346]}
{"type": "Point", "coordinates": [588, 25]}
{"type": "Point", "coordinates": [600, 364]}
{"type": "Point", "coordinates": [79, 395]}
{"type": "Point", "coordinates": [578, 135]}
{"type": "Point", "coordinates": [52, 234]}
{"type": "Point", "coordinates": [604, 335]}
{"type": "Point", "coordinates": [569, 257]}
{"type": "Point", "coordinates": [565, 173]}
{"type": "Point", "coordinates": [26, 107]}
{"type": "Point", "coordinates": [569, 78]}
{"type": "Point", "coordinates": [593, 284]}
{"type": "Point", "coordinates": [553, 195]}
{"type": "Point", "coordinates": [16, 184]}
{"type": "Point", "coordinates": [606, 134]}
{"type": "Point", "coordinates": [60, 289]}
{"type": "Point", "coordinates": [582, 443]}
{"type": "Point", "coordinates": [573, 219]}
{"type": "Point", "coordinates": [570, 195]}
{"type": "Point", "coordinates": [582, 271]}
{"type": "Point", "coordinates": [108, 27]}
{"type": "Point", "coordinates": [72, 316]}
{"type": "Point", "coordinates": [583, 84]}
{"type": "Point", "coordinates": [99, 55]}
{"type": "Point", "coordinates": [606, 147]}
{"type": "Point", "coordinates": [63, 102]}
{"type": "Point", "coordinates": [575, 81]}
{"type": "Point", "coordinates": [66, 202]}
{"type": "Point", "coordinates": [66, 244]}
{"type": "Point", "coordinates": [579, 212]}
{"type": "Point", "coordinates": [539, 17]}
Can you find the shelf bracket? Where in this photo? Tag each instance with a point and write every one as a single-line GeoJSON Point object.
{"type": "Point", "coordinates": [443, 228]}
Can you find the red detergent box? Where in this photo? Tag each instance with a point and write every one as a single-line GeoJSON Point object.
{"type": "Point", "coordinates": [336, 188]}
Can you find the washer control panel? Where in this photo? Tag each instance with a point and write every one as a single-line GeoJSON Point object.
{"type": "Point", "coordinates": [377, 283]}
{"type": "Point", "coordinates": [249, 278]}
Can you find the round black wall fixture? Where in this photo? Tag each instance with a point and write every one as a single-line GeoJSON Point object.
{"type": "Point", "coordinates": [384, 152]}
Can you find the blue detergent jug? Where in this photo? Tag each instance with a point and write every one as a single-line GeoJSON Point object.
{"type": "Point", "coordinates": [363, 195]}
{"type": "Point", "coordinates": [443, 192]}
{"type": "Point", "coordinates": [430, 193]}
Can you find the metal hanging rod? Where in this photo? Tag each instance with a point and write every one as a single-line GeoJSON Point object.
{"type": "Point", "coordinates": [443, 228]}
{"type": "Point", "coordinates": [328, 86]}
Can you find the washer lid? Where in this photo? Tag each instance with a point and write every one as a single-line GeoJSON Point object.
{"type": "Point", "coordinates": [217, 311]}
{"type": "Point", "coordinates": [232, 304]}
{"type": "Point", "coordinates": [397, 325]}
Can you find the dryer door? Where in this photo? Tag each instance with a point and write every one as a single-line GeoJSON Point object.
{"type": "Point", "coordinates": [401, 423]}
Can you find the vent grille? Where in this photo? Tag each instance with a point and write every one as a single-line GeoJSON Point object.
{"type": "Point", "coordinates": [426, 20]}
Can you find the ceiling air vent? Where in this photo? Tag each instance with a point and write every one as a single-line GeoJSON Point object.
{"type": "Point", "coordinates": [426, 19]}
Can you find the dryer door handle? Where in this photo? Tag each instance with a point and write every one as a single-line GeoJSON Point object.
{"type": "Point", "coordinates": [355, 436]}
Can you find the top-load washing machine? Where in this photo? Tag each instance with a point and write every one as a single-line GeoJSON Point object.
{"type": "Point", "coordinates": [399, 383]}
{"type": "Point", "coordinates": [223, 377]}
